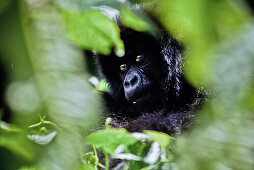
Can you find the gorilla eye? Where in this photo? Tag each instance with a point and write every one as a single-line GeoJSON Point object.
{"type": "Point", "coordinates": [139, 58]}
{"type": "Point", "coordinates": [123, 67]}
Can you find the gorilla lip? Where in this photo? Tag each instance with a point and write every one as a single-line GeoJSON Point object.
{"type": "Point", "coordinates": [141, 98]}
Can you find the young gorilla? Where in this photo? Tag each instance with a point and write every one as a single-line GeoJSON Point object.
{"type": "Point", "coordinates": [147, 86]}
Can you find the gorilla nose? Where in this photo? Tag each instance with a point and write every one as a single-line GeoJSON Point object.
{"type": "Point", "coordinates": [132, 85]}
{"type": "Point", "coordinates": [131, 81]}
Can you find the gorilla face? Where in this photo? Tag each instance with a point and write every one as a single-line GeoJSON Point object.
{"type": "Point", "coordinates": [137, 77]}
{"type": "Point", "coordinates": [134, 79]}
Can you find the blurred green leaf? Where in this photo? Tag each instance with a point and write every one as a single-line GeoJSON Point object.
{"type": "Point", "coordinates": [162, 138]}
{"type": "Point", "coordinates": [23, 97]}
{"type": "Point", "coordinates": [139, 21]}
{"type": "Point", "coordinates": [133, 21]}
{"type": "Point", "coordinates": [207, 146]}
{"type": "Point", "coordinates": [42, 139]}
{"type": "Point", "coordinates": [57, 64]}
{"type": "Point", "coordinates": [232, 70]}
{"type": "Point", "coordinates": [200, 24]}
{"type": "Point", "coordinates": [15, 62]}
{"type": "Point", "coordinates": [110, 139]}
{"type": "Point", "coordinates": [77, 5]}
{"type": "Point", "coordinates": [4, 4]}
{"type": "Point", "coordinates": [223, 135]}
{"type": "Point", "coordinates": [141, 1]}
{"type": "Point", "coordinates": [102, 86]}
{"type": "Point", "coordinates": [94, 31]}
{"type": "Point", "coordinates": [8, 127]}
{"type": "Point", "coordinates": [29, 168]}
{"type": "Point", "coordinates": [14, 140]}
{"type": "Point", "coordinates": [87, 167]}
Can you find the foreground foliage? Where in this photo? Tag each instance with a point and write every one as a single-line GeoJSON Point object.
{"type": "Point", "coordinates": [40, 49]}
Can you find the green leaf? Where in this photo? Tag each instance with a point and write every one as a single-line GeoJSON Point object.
{"type": "Point", "coordinates": [201, 25]}
{"type": "Point", "coordinates": [4, 4]}
{"type": "Point", "coordinates": [14, 140]}
{"type": "Point", "coordinates": [43, 132]}
{"type": "Point", "coordinates": [94, 31]}
{"type": "Point", "coordinates": [110, 139]}
{"type": "Point", "coordinates": [90, 158]}
{"type": "Point", "coordinates": [42, 139]}
{"type": "Point", "coordinates": [139, 21]}
{"type": "Point", "coordinates": [142, 1]}
{"type": "Point", "coordinates": [29, 168]}
{"type": "Point", "coordinates": [87, 167]}
{"type": "Point", "coordinates": [77, 5]}
{"type": "Point", "coordinates": [8, 127]}
{"type": "Point", "coordinates": [133, 21]}
{"type": "Point", "coordinates": [56, 64]}
{"type": "Point", "coordinates": [102, 86]}
{"type": "Point", "coordinates": [162, 138]}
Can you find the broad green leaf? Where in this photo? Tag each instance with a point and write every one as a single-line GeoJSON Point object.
{"type": "Point", "coordinates": [77, 5]}
{"type": "Point", "coordinates": [139, 21]}
{"type": "Point", "coordinates": [133, 21]}
{"type": "Point", "coordinates": [142, 1]}
{"type": "Point", "coordinates": [94, 31]}
{"type": "Point", "coordinates": [87, 167]}
{"type": "Point", "coordinates": [8, 127]}
{"type": "Point", "coordinates": [14, 140]}
{"type": "Point", "coordinates": [30, 168]}
{"type": "Point", "coordinates": [110, 139]}
{"type": "Point", "coordinates": [59, 69]}
{"type": "Point", "coordinates": [162, 138]}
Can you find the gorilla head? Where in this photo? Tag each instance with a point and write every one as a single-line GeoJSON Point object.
{"type": "Point", "coordinates": [147, 80]}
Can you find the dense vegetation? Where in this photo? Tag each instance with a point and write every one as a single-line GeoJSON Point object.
{"type": "Point", "coordinates": [48, 106]}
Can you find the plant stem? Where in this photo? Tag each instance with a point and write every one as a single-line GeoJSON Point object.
{"type": "Point", "coordinates": [127, 164]}
{"type": "Point", "coordinates": [106, 162]}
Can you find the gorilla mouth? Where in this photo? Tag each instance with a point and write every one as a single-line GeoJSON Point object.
{"type": "Point", "coordinates": [143, 98]}
{"type": "Point", "coordinates": [141, 95]}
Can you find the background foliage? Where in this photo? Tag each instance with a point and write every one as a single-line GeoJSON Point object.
{"type": "Point", "coordinates": [51, 106]}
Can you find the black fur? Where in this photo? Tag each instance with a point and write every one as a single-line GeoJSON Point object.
{"type": "Point", "coordinates": [152, 94]}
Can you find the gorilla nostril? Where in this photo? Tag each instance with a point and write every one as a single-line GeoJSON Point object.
{"type": "Point", "coordinates": [134, 80]}
{"type": "Point", "coordinates": [126, 83]}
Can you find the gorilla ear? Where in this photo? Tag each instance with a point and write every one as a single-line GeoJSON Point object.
{"type": "Point", "coordinates": [171, 51]}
